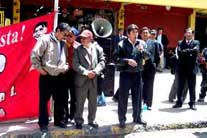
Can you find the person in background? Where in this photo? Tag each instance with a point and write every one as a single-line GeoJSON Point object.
{"type": "Point", "coordinates": [119, 37]}
{"type": "Point", "coordinates": [88, 62]}
{"type": "Point", "coordinates": [70, 74]}
{"type": "Point", "coordinates": [129, 54]}
{"type": "Point", "coordinates": [203, 67]}
{"type": "Point", "coordinates": [153, 36]}
{"type": "Point", "coordinates": [49, 57]}
{"type": "Point", "coordinates": [174, 87]}
{"type": "Point", "coordinates": [163, 40]}
{"type": "Point", "coordinates": [187, 50]}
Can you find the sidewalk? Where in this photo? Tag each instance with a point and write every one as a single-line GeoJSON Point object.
{"type": "Point", "coordinates": [162, 116]}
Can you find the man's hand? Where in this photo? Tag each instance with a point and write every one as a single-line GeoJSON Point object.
{"type": "Point", "coordinates": [132, 62]}
{"type": "Point", "coordinates": [140, 47]}
{"type": "Point", "coordinates": [91, 74]}
{"type": "Point", "coordinates": [42, 72]}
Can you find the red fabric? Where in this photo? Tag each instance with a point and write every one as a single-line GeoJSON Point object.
{"type": "Point", "coordinates": [18, 83]}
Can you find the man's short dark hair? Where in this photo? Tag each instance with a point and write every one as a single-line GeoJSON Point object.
{"type": "Point", "coordinates": [43, 24]}
{"type": "Point", "coordinates": [63, 27]}
{"type": "Point", "coordinates": [131, 27]}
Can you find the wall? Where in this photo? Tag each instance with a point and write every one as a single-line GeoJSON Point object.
{"type": "Point", "coordinates": [174, 21]}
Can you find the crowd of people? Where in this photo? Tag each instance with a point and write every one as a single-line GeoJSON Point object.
{"type": "Point", "coordinates": [70, 71]}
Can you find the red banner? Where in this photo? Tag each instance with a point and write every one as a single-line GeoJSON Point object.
{"type": "Point", "coordinates": [18, 81]}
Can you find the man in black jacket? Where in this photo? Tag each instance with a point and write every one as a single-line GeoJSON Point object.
{"type": "Point", "coordinates": [130, 54]}
{"type": "Point", "coordinates": [187, 51]}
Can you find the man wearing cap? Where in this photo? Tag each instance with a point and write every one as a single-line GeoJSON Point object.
{"type": "Point", "coordinates": [187, 51]}
{"type": "Point", "coordinates": [69, 80]}
{"type": "Point", "coordinates": [88, 62]}
{"type": "Point", "coordinates": [129, 56]}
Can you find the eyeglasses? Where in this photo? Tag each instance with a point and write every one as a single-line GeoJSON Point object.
{"type": "Point", "coordinates": [65, 34]}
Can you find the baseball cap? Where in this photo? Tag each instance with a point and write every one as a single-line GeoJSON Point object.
{"type": "Point", "coordinates": [86, 33]}
{"type": "Point", "coordinates": [74, 31]}
{"type": "Point", "coordinates": [153, 32]}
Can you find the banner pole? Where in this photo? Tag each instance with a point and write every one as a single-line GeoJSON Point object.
{"type": "Point", "coordinates": [56, 2]}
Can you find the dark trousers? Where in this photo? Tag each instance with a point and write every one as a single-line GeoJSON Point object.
{"type": "Point", "coordinates": [190, 77]}
{"type": "Point", "coordinates": [148, 83]}
{"type": "Point", "coordinates": [129, 81]}
{"type": "Point", "coordinates": [50, 86]}
{"type": "Point", "coordinates": [203, 85]}
{"type": "Point", "coordinates": [69, 85]}
{"type": "Point", "coordinates": [174, 88]}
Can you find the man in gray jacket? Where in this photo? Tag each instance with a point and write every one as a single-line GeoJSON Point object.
{"type": "Point", "coordinates": [49, 57]}
{"type": "Point", "coordinates": [88, 62]}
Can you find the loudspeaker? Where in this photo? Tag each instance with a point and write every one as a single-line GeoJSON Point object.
{"type": "Point", "coordinates": [101, 27]}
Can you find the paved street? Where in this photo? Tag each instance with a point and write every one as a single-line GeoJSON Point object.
{"type": "Point", "coordinates": [162, 114]}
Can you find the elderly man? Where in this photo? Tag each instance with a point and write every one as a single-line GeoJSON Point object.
{"type": "Point", "coordinates": [88, 62]}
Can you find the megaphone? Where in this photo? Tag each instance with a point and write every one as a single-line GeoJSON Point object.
{"type": "Point", "coordinates": [101, 27]}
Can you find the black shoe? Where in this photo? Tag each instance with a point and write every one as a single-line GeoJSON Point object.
{"type": "Point", "coordinates": [122, 124]}
{"type": "Point", "coordinates": [140, 121]}
{"type": "Point", "coordinates": [93, 125]}
{"type": "Point", "coordinates": [44, 129]}
{"type": "Point", "coordinates": [171, 100]}
{"type": "Point", "coordinates": [78, 126]}
{"type": "Point", "coordinates": [115, 99]}
{"type": "Point", "coordinates": [193, 107]}
{"type": "Point", "coordinates": [201, 100]}
{"type": "Point", "coordinates": [61, 125]}
{"type": "Point", "coordinates": [177, 105]}
{"type": "Point", "coordinates": [149, 108]}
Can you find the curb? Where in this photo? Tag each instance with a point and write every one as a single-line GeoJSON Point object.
{"type": "Point", "coordinates": [105, 131]}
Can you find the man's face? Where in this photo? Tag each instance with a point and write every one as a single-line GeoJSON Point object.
{"type": "Point", "coordinates": [133, 34]}
{"type": "Point", "coordinates": [188, 35]}
{"type": "Point", "coordinates": [62, 35]}
{"type": "Point", "coordinates": [145, 34]}
{"type": "Point", "coordinates": [85, 41]}
{"type": "Point", "coordinates": [39, 31]}
{"type": "Point", "coordinates": [71, 38]}
{"type": "Point", "coordinates": [153, 36]}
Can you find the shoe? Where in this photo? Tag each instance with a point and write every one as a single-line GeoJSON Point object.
{"type": "Point", "coordinates": [78, 126]}
{"type": "Point", "coordinates": [122, 124]}
{"type": "Point", "coordinates": [193, 107]}
{"type": "Point", "coordinates": [177, 105]}
{"type": "Point", "coordinates": [115, 99]}
{"type": "Point", "coordinates": [201, 100]}
{"type": "Point", "coordinates": [101, 104]}
{"type": "Point", "coordinates": [149, 108]}
{"type": "Point", "coordinates": [140, 121]}
{"type": "Point", "coordinates": [44, 129]}
{"type": "Point", "coordinates": [93, 125]}
{"type": "Point", "coordinates": [61, 125]}
{"type": "Point", "coordinates": [171, 100]}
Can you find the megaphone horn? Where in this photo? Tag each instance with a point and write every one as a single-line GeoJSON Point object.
{"type": "Point", "coordinates": [101, 27]}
